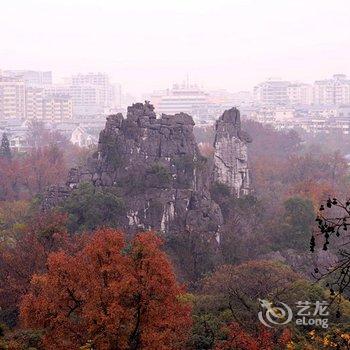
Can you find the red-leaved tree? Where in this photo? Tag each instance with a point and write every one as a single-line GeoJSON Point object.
{"type": "Point", "coordinates": [239, 339]}
{"type": "Point", "coordinates": [111, 295]}
{"type": "Point", "coordinates": [24, 254]}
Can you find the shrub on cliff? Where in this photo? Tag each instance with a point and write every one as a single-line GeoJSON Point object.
{"type": "Point", "coordinates": [89, 207]}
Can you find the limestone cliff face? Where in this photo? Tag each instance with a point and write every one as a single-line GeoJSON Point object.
{"type": "Point", "coordinates": [230, 157]}
{"type": "Point", "coordinates": [157, 168]}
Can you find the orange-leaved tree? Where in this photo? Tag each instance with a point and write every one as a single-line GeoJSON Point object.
{"type": "Point", "coordinates": [111, 295]}
{"type": "Point", "coordinates": [238, 339]}
{"type": "Point", "coordinates": [24, 253]}
{"type": "Point", "coordinates": [25, 176]}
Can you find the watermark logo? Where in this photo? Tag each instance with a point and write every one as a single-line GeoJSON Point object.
{"type": "Point", "coordinates": [274, 315]}
{"type": "Point", "coordinates": [308, 313]}
{"type": "Point", "coordinates": [312, 314]}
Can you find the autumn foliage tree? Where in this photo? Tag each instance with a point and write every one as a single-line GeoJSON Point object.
{"type": "Point", "coordinates": [238, 339]}
{"type": "Point", "coordinates": [43, 167]}
{"type": "Point", "coordinates": [24, 254]}
{"type": "Point", "coordinates": [237, 288]}
{"type": "Point", "coordinates": [22, 177]}
{"type": "Point", "coordinates": [110, 295]}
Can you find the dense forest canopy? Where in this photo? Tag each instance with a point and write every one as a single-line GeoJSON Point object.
{"type": "Point", "coordinates": [71, 279]}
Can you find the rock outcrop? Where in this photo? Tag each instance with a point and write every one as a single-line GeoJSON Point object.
{"type": "Point", "coordinates": [230, 157]}
{"type": "Point", "coordinates": [156, 164]}
{"type": "Point", "coordinates": [161, 176]}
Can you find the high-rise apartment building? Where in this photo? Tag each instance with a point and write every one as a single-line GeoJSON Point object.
{"type": "Point", "coordinates": [57, 108]}
{"type": "Point", "coordinates": [90, 78]}
{"type": "Point", "coordinates": [327, 92]}
{"type": "Point", "coordinates": [30, 77]}
{"type": "Point", "coordinates": [87, 99]}
{"type": "Point", "coordinates": [34, 102]}
{"type": "Point", "coordinates": [300, 94]}
{"type": "Point", "coordinates": [183, 98]}
{"type": "Point", "coordinates": [272, 92]}
{"type": "Point", "coordinates": [56, 89]}
{"type": "Point", "coordinates": [12, 98]}
{"type": "Point", "coordinates": [92, 93]}
{"type": "Point", "coordinates": [334, 91]}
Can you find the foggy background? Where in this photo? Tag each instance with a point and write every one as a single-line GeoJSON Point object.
{"type": "Point", "coordinates": [150, 45]}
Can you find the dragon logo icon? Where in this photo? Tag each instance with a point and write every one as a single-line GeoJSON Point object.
{"type": "Point", "coordinates": [274, 315]}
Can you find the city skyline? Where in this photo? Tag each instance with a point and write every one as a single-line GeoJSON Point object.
{"type": "Point", "coordinates": [85, 100]}
{"type": "Point", "coordinates": [186, 81]}
{"type": "Point", "coordinates": [144, 46]}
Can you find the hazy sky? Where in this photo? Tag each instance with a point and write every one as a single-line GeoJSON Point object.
{"type": "Point", "coordinates": [148, 45]}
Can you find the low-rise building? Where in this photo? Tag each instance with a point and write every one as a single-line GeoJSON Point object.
{"type": "Point", "coordinates": [16, 131]}
{"type": "Point", "coordinates": [82, 138]}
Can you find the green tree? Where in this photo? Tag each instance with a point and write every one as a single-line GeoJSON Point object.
{"type": "Point", "coordinates": [158, 176]}
{"type": "Point", "coordinates": [298, 223]}
{"type": "Point", "coordinates": [89, 207]}
{"type": "Point", "coordinates": [5, 151]}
